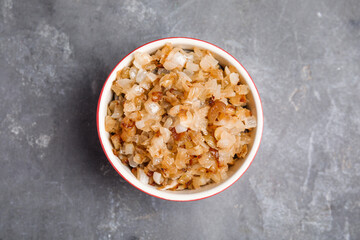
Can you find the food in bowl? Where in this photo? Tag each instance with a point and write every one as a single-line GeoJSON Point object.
{"type": "Point", "coordinates": [178, 118]}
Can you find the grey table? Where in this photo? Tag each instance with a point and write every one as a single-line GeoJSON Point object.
{"type": "Point", "coordinates": [55, 182]}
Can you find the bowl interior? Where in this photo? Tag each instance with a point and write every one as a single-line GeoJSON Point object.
{"type": "Point", "coordinates": [235, 171]}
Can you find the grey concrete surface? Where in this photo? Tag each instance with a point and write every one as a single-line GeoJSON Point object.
{"type": "Point", "coordinates": [55, 182]}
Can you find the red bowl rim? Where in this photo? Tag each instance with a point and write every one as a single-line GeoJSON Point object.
{"type": "Point", "coordinates": [102, 146]}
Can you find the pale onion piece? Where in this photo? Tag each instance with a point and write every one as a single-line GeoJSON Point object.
{"type": "Point", "coordinates": [218, 132]}
{"type": "Point", "coordinates": [227, 71]}
{"type": "Point", "coordinates": [224, 100]}
{"type": "Point", "coordinates": [241, 149]}
{"type": "Point", "coordinates": [217, 92]}
{"type": "Point", "coordinates": [195, 169]}
{"type": "Point", "coordinates": [151, 167]}
{"type": "Point", "coordinates": [169, 65]}
{"type": "Point", "coordinates": [156, 146]}
{"type": "Point", "coordinates": [208, 62]}
{"type": "Point", "coordinates": [233, 124]}
{"type": "Point", "coordinates": [189, 55]}
{"type": "Point", "coordinates": [225, 156]}
{"type": "Point", "coordinates": [165, 133]}
{"type": "Point", "coordinates": [241, 89]}
{"type": "Point", "coordinates": [141, 59]}
{"type": "Point", "coordinates": [228, 92]}
{"type": "Point", "coordinates": [143, 138]}
{"type": "Point", "coordinates": [174, 110]}
{"type": "Point", "coordinates": [142, 176]}
{"type": "Point", "coordinates": [227, 140]}
{"type": "Point", "coordinates": [206, 160]}
{"type": "Point", "coordinates": [194, 93]}
{"type": "Point", "coordinates": [133, 72]}
{"type": "Point", "coordinates": [186, 120]}
{"type": "Point", "coordinates": [156, 161]}
{"type": "Point", "coordinates": [181, 158]}
{"type": "Point", "coordinates": [223, 175]}
{"type": "Point", "coordinates": [210, 85]}
{"type": "Point", "coordinates": [115, 139]}
{"type": "Point", "coordinates": [184, 77]}
{"type": "Point", "coordinates": [158, 179]}
{"type": "Point", "coordinates": [137, 65]}
{"type": "Point", "coordinates": [129, 106]}
{"type": "Point", "coordinates": [197, 150]}
{"type": "Point", "coordinates": [245, 138]}
{"type": "Point", "coordinates": [171, 185]}
{"type": "Point", "coordinates": [124, 83]}
{"type": "Point", "coordinates": [210, 140]}
{"type": "Point", "coordinates": [184, 85]}
{"type": "Point", "coordinates": [213, 88]}
{"type": "Point", "coordinates": [216, 177]}
{"type": "Point", "coordinates": [132, 163]}
{"type": "Point", "coordinates": [116, 115]}
{"type": "Point", "coordinates": [133, 92]}
{"type": "Point", "coordinates": [156, 127]}
{"type": "Point", "coordinates": [201, 76]}
{"type": "Point", "coordinates": [200, 119]}
{"type": "Point", "coordinates": [116, 89]}
{"type": "Point", "coordinates": [199, 181]}
{"type": "Point", "coordinates": [112, 105]}
{"type": "Point", "coordinates": [179, 58]}
{"type": "Point", "coordinates": [146, 84]}
{"type": "Point", "coordinates": [188, 72]}
{"type": "Point", "coordinates": [242, 113]}
{"type": "Point", "coordinates": [185, 178]}
{"type": "Point", "coordinates": [236, 101]}
{"type": "Point", "coordinates": [197, 138]}
{"type": "Point", "coordinates": [167, 162]}
{"type": "Point", "coordinates": [128, 148]}
{"type": "Point", "coordinates": [138, 159]}
{"type": "Point", "coordinates": [166, 82]}
{"type": "Point", "coordinates": [172, 52]}
{"type": "Point", "coordinates": [192, 66]}
{"type": "Point", "coordinates": [117, 111]}
{"type": "Point", "coordinates": [168, 122]}
{"type": "Point", "coordinates": [111, 125]}
{"type": "Point", "coordinates": [180, 128]}
{"type": "Point", "coordinates": [141, 75]}
{"type": "Point", "coordinates": [250, 122]}
{"type": "Point", "coordinates": [151, 76]}
{"type": "Point", "coordinates": [234, 78]}
{"type": "Point", "coordinates": [140, 124]}
{"type": "Point", "coordinates": [152, 107]}
{"type": "Point", "coordinates": [175, 61]}
{"type": "Point", "coordinates": [198, 52]}
{"type": "Point", "coordinates": [196, 103]}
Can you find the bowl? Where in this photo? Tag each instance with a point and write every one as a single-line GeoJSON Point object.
{"type": "Point", "coordinates": [235, 171]}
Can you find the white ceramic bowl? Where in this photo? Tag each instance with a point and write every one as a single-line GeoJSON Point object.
{"type": "Point", "coordinates": [235, 171]}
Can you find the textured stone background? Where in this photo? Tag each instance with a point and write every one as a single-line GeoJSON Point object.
{"type": "Point", "coordinates": [55, 182]}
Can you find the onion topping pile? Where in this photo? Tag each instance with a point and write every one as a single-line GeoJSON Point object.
{"type": "Point", "coordinates": [178, 119]}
